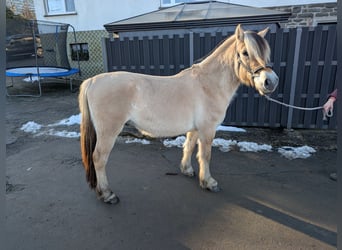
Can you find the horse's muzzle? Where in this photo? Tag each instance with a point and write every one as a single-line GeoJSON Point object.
{"type": "Point", "coordinates": [270, 83]}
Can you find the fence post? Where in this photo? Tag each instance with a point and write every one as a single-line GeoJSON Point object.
{"type": "Point", "coordinates": [191, 48]}
{"type": "Point", "coordinates": [294, 76]}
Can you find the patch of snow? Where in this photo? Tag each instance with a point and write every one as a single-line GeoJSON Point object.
{"type": "Point", "coordinates": [253, 147]}
{"type": "Point", "coordinates": [178, 142]}
{"type": "Point", "coordinates": [224, 145]}
{"type": "Point", "coordinates": [136, 140]}
{"type": "Point", "coordinates": [63, 133]}
{"type": "Point", "coordinates": [230, 129]}
{"type": "Point", "coordinates": [296, 152]}
{"type": "Point", "coordinates": [38, 129]}
{"type": "Point", "coordinates": [31, 127]}
{"type": "Point", "coordinates": [72, 120]}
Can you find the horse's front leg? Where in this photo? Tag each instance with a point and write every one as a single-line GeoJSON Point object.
{"type": "Point", "coordinates": [101, 153]}
{"type": "Point", "coordinates": [203, 157]}
{"type": "Point", "coordinates": [189, 145]}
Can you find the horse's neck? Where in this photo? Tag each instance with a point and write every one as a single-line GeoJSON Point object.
{"type": "Point", "coordinates": [218, 68]}
{"type": "Point", "coordinates": [222, 55]}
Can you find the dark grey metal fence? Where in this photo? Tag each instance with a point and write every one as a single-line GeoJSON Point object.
{"type": "Point", "coordinates": [304, 58]}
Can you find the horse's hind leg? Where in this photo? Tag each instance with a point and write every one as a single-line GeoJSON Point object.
{"type": "Point", "coordinates": [203, 156]}
{"type": "Point", "coordinates": [101, 153]}
{"type": "Point", "coordinates": [189, 145]}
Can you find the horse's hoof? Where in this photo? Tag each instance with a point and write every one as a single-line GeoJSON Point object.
{"type": "Point", "coordinates": [214, 189]}
{"type": "Point", "coordinates": [112, 199]}
{"type": "Point", "coordinates": [190, 174]}
{"type": "Point", "coordinates": [188, 171]}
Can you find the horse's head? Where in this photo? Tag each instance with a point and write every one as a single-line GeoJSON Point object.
{"type": "Point", "coordinates": [252, 61]}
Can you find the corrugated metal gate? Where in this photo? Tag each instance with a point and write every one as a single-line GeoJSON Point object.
{"type": "Point", "coordinates": [305, 60]}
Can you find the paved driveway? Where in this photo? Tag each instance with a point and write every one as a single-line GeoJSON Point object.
{"type": "Point", "coordinates": [266, 202]}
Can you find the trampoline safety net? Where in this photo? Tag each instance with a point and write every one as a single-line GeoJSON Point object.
{"type": "Point", "coordinates": [37, 49]}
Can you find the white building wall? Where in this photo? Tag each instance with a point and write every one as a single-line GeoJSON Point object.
{"type": "Point", "coordinates": [92, 15]}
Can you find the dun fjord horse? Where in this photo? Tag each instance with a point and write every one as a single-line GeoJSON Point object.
{"type": "Point", "coordinates": [193, 102]}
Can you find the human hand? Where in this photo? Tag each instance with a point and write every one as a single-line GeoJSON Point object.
{"type": "Point", "coordinates": [329, 105]}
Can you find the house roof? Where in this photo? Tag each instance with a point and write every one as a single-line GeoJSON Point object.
{"type": "Point", "coordinates": [197, 14]}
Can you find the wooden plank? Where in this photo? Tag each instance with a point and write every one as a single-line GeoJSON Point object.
{"type": "Point", "coordinates": [116, 55]}
{"type": "Point", "coordinates": [278, 49]}
{"type": "Point", "coordinates": [126, 55]}
{"type": "Point", "coordinates": [313, 75]}
{"type": "Point", "coordinates": [218, 38]}
{"type": "Point", "coordinates": [197, 46]}
{"type": "Point", "coordinates": [120, 61]}
{"type": "Point", "coordinates": [298, 115]}
{"type": "Point", "coordinates": [261, 101]}
{"type": "Point", "coordinates": [184, 50]}
{"type": "Point", "coordinates": [291, 71]}
{"type": "Point", "coordinates": [260, 119]}
{"type": "Point", "coordinates": [187, 59]}
{"type": "Point", "coordinates": [176, 52]}
{"type": "Point", "coordinates": [250, 102]}
{"type": "Point", "coordinates": [332, 123]}
{"type": "Point", "coordinates": [239, 105]}
{"type": "Point", "coordinates": [327, 70]}
{"type": "Point", "coordinates": [123, 59]}
{"type": "Point", "coordinates": [146, 54]}
{"type": "Point", "coordinates": [166, 53]}
{"type": "Point", "coordinates": [207, 44]}
{"type": "Point", "coordinates": [229, 113]}
{"type": "Point", "coordinates": [155, 54]}
{"type": "Point", "coordinates": [172, 54]}
{"type": "Point", "coordinates": [132, 61]}
{"type": "Point", "coordinates": [136, 54]}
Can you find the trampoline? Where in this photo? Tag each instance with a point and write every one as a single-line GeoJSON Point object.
{"type": "Point", "coordinates": [37, 50]}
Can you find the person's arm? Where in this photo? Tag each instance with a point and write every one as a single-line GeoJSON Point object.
{"type": "Point", "coordinates": [334, 94]}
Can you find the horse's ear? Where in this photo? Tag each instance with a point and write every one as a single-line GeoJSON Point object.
{"type": "Point", "coordinates": [239, 32]}
{"type": "Point", "coordinates": [263, 32]}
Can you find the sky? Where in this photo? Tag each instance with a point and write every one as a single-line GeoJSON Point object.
{"type": "Point", "coordinates": [66, 128]}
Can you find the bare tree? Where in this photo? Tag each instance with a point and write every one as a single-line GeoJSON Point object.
{"type": "Point", "coordinates": [24, 9]}
{"type": "Point", "coordinates": [27, 11]}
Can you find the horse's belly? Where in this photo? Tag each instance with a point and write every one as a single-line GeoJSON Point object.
{"type": "Point", "coordinates": [163, 126]}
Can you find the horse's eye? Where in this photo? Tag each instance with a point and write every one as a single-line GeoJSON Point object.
{"type": "Point", "coordinates": [245, 53]}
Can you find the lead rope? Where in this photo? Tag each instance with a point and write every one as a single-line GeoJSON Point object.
{"type": "Point", "coordinates": [254, 73]}
{"type": "Point", "coordinates": [325, 114]}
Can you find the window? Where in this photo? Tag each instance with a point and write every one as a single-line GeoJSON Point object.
{"type": "Point", "coordinates": [58, 7]}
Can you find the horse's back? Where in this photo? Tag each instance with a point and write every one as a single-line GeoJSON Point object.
{"type": "Point", "coordinates": [160, 106]}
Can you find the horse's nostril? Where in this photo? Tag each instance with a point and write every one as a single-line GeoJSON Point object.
{"type": "Point", "coordinates": [267, 83]}
{"type": "Point", "coordinates": [270, 85]}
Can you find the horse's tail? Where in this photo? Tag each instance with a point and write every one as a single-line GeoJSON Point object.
{"type": "Point", "coordinates": [88, 135]}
